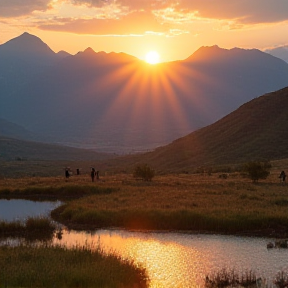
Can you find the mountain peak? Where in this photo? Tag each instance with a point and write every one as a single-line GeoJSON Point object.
{"type": "Point", "coordinates": [206, 52]}
{"type": "Point", "coordinates": [89, 50]}
{"type": "Point", "coordinates": [29, 48]}
{"type": "Point", "coordinates": [62, 54]}
{"type": "Point", "coordinates": [26, 34]}
{"type": "Point", "coordinates": [26, 41]}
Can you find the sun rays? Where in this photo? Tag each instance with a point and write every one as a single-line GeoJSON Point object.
{"type": "Point", "coordinates": [146, 105]}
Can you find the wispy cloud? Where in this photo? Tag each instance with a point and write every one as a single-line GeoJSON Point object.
{"type": "Point", "coordinates": [113, 17]}
{"type": "Point", "coordinates": [242, 11]}
{"type": "Point", "coordinates": [245, 11]}
{"type": "Point", "coordinates": [138, 23]}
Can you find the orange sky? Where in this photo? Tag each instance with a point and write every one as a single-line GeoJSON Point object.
{"type": "Point", "coordinates": [174, 28]}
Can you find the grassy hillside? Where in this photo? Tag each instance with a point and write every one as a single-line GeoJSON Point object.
{"type": "Point", "coordinates": [255, 131]}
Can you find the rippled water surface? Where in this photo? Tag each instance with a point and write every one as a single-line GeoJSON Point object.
{"type": "Point", "coordinates": [183, 260]}
{"type": "Point", "coordinates": [172, 260]}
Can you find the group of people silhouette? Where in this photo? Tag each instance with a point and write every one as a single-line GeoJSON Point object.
{"type": "Point", "coordinates": [94, 173]}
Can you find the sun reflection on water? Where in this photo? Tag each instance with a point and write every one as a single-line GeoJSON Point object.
{"type": "Point", "coordinates": [175, 260]}
{"type": "Point", "coordinates": [166, 262]}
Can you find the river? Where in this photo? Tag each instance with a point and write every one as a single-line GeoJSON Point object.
{"type": "Point", "coordinates": [174, 259]}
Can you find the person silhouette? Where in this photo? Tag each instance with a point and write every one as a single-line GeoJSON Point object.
{"type": "Point", "coordinates": [282, 176]}
{"type": "Point", "coordinates": [67, 174]}
{"type": "Point", "coordinates": [92, 174]}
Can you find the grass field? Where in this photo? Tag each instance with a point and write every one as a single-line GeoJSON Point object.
{"type": "Point", "coordinates": [190, 202]}
{"type": "Point", "coordinates": [208, 203]}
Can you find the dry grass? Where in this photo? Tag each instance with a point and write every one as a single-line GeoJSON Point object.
{"type": "Point", "coordinates": [176, 201]}
{"type": "Point", "coordinates": [56, 266]}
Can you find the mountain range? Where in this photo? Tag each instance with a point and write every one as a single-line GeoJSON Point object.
{"type": "Point", "coordinates": [114, 102]}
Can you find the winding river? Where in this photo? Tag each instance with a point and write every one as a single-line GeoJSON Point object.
{"type": "Point", "coordinates": [177, 259]}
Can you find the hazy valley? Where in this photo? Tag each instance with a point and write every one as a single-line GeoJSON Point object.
{"type": "Point", "coordinates": [118, 104]}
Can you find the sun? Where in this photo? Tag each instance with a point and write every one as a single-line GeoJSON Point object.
{"type": "Point", "coordinates": [152, 57]}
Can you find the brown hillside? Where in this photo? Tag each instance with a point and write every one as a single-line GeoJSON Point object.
{"type": "Point", "coordinates": [256, 130]}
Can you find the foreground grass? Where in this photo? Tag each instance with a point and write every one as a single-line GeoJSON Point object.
{"type": "Point", "coordinates": [48, 266]}
{"type": "Point", "coordinates": [190, 202]}
{"type": "Point", "coordinates": [230, 278]}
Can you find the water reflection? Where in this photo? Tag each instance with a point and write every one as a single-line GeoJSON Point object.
{"type": "Point", "coordinates": [171, 259]}
{"type": "Point", "coordinates": [18, 209]}
{"type": "Point", "coordinates": [182, 260]}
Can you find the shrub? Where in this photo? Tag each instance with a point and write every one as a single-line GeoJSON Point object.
{"type": "Point", "coordinates": [257, 170]}
{"type": "Point", "coordinates": [144, 172]}
{"type": "Point", "coordinates": [223, 176]}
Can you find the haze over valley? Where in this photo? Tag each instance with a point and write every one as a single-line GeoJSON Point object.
{"type": "Point", "coordinates": [116, 103]}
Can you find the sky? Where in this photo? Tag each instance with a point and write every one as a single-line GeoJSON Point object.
{"type": "Point", "coordinates": [173, 28]}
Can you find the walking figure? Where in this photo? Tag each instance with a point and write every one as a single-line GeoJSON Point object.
{"type": "Point", "coordinates": [92, 174]}
{"type": "Point", "coordinates": [282, 176]}
{"type": "Point", "coordinates": [67, 174]}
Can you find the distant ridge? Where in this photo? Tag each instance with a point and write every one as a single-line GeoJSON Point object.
{"type": "Point", "coordinates": [11, 149]}
{"type": "Point", "coordinates": [11, 130]}
{"type": "Point", "coordinates": [280, 52]}
{"type": "Point", "coordinates": [255, 131]}
{"type": "Point", "coordinates": [63, 54]}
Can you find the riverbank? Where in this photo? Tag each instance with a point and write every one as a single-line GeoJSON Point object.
{"type": "Point", "coordinates": [183, 202]}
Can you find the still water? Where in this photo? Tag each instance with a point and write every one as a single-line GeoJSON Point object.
{"type": "Point", "coordinates": [172, 260]}
{"type": "Point", "coordinates": [17, 209]}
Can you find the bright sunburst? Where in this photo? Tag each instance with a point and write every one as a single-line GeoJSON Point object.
{"type": "Point", "coordinates": [152, 57]}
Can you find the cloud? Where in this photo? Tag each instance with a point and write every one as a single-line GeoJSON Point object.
{"type": "Point", "coordinates": [137, 23]}
{"type": "Point", "coordinates": [242, 11]}
{"type": "Point", "coordinates": [15, 8]}
{"type": "Point", "coordinates": [118, 17]}
{"type": "Point", "coordinates": [138, 5]}
{"type": "Point", "coordinates": [233, 14]}
{"type": "Point", "coordinates": [91, 3]}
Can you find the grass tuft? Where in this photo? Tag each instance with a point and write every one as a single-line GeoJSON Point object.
{"type": "Point", "coordinates": [33, 228]}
